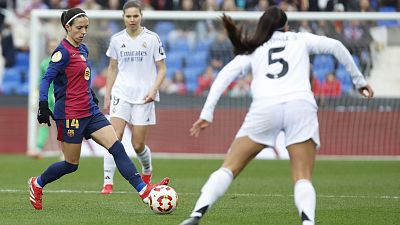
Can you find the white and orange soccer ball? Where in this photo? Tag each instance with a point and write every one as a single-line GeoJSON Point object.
{"type": "Point", "coordinates": [163, 199]}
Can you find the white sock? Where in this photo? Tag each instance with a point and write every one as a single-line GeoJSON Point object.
{"type": "Point", "coordinates": [214, 188]}
{"type": "Point", "coordinates": [109, 168]}
{"type": "Point", "coordinates": [305, 200]}
{"type": "Point", "coordinates": [145, 160]}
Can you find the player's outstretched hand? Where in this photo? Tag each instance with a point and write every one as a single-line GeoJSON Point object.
{"type": "Point", "coordinates": [44, 113]}
{"type": "Point", "coordinates": [198, 126]}
{"type": "Point", "coordinates": [366, 91]}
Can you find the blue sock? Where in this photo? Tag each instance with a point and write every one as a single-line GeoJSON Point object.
{"type": "Point", "coordinates": [125, 166]}
{"type": "Point", "coordinates": [55, 171]}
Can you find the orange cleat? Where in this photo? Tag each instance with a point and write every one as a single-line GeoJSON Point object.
{"type": "Point", "coordinates": [107, 189]}
{"type": "Point", "coordinates": [146, 178]}
{"type": "Point", "coordinates": [145, 195]}
{"type": "Point", "coordinates": [35, 194]}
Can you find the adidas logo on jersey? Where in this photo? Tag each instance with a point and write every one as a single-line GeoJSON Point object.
{"type": "Point", "coordinates": [123, 46]}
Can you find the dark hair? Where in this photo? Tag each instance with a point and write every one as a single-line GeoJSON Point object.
{"type": "Point", "coordinates": [132, 4]}
{"type": "Point", "coordinates": [68, 17]}
{"type": "Point", "coordinates": [272, 20]}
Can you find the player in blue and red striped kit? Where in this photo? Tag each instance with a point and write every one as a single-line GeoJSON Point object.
{"type": "Point", "coordinates": [76, 112]}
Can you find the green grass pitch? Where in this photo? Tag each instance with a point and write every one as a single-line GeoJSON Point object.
{"type": "Point", "coordinates": [348, 192]}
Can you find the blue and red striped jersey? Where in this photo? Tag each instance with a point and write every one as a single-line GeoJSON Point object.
{"type": "Point", "coordinates": [70, 72]}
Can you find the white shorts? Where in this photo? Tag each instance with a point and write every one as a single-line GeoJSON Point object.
{"type": "Point", "coordinates": [297, 119]}
{"type": "Point", "coordinates": [135, 114]}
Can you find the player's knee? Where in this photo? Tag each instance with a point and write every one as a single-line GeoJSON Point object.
{"type": "Point", "coordinates": [70, 168]}
{"type": "Point", "coordinates": [139, 147]}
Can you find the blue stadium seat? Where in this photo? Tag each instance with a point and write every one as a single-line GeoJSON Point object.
{"type": "Point", "coordinates": [175, 58]}
{"type": "Point", "coordinates": [197, 59]}
{"type": "Point", "coordinates": [320, 73]}
{"type": "Point", "coordinates": [387, 23]}
{"type": "Point", "coordinates": [322, 61]}
{"type": "Point", "coordinates": [22, 59]}
{"type": "Point", "coordinates": [164, 27]}
{"type": "Point", "coordinates": [179, 44]}
{"type": "Point", "coordinates": [203, 45]}
{"type": "Point", "coordinates": [345, 80]}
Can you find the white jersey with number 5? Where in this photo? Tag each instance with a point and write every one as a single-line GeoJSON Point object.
{"type": "Point", "coordinates": [136, 58]}
{"type": "Point", "coordinates": [281, 69]}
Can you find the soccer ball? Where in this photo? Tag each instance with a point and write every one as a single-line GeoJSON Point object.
{"type": "Point", "coordinates": [163, 199]}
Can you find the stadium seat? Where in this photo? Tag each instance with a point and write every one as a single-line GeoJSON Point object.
{"type": "Point", "coordinates": [164, 27]}
{"type": "Point", "coordinates": [198, 58]}
{"type": "Point", "coordinates": [179, 44]}
{"type": "Point", "coordinates": [320, 73]}
{"type": "Point", "coordinates": [22, 59]}
{"type": "Point", "coordinates": [175, 58]}
{"type": "Point", "coordinates": [345, 80]}
{"type": "Point", "coordinates": [387, 23]}
{"type": "Point", "coordinates": [324, 62]}
{"type": "Point", "coordinates": [203, 45]}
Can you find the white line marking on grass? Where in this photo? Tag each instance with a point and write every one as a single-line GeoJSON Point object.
{"type": "Point", "coordinates": [229, 194]}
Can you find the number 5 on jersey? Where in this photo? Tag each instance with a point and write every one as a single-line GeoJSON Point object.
{"type": "Point", "coordinates": [272, 60]}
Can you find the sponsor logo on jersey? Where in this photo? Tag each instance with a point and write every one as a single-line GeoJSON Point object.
{"type": "Point", "coordinates": [161, 50]}
{"type": "Point", "coordinates": [123, 46]}
{"type": "Point", "coordinates": [144, 45]}
{"type": "Point", "coordinates": [70, 133]}
{"type": "Point", "coordinates": [87, 73]}
{"type": "Point", "coordinates": [56, 56]}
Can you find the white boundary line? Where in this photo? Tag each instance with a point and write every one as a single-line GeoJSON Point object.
{"type": "Point", "coordinates": [231, 194]}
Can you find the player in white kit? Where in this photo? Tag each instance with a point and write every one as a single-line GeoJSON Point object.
{"type": "Point", "coordinates": [282, 101]}
{"type": "Point", "coordinates": [135, 73]}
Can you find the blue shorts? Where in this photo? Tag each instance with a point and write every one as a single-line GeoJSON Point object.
{"type": "Point", "coordinates": [74, 130]}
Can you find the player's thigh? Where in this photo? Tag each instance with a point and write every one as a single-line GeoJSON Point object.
{"type": "Point", "coordinates": [105, 136]}
{"type": "Point", "coordinates": [300, 122]}
{"type": "Point", "coordinates": [119, 126]}
{"type": "Point", "coordinates": [72, 152]}
{"type": "Point", "coordinates": [143, 114]}
{"type": "Point", "coordinates": [241, 152]}
{"type": "Point", "coordinates": [302, 158]}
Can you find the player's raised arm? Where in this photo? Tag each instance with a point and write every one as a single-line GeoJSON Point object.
{"type": "Point", "coordinates": [324, 45]}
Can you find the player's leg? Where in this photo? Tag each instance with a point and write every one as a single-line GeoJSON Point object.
{"type": "Point", "coordinates": [302, 157]}
{"type": "Point", "coordinates": [109, 164]}
{"type": "Point", "coordinates": [142, 116]}
{"type": "Point", "coordinates": [71, 139]}
{"type": "Point", "coordinates": [106, 137]}
{"type": "Point", "coordinates": [119, 114]}
{"type": "Point", "coordinates": [302, 137]}
{"type": "Point", "coordinates": [242, 150]}
{"type": "Point", "coordinates": [143, 152]}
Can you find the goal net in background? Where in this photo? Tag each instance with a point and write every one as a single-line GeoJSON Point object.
{"type": "Point", "coordinates": [197, 47]}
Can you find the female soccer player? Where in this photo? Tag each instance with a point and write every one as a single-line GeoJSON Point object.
{"type": "Point", "coordinates": [135, 73]}
{"type": "Point", "coordinates": [76, 112]}
{"type": "Point", "coordinates": [282, 101]}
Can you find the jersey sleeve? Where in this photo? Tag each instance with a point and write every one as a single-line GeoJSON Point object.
{"type": "Point", "coordinates": [238, 66]}
{"type": "Point", "coordinates": [111, 51]}
{"type": "Point", "coordinates": [58, 62]}
{"type": "Point", "coordinates": [159, 52]}
{"type": "Point", "coordinates": [324, 45]}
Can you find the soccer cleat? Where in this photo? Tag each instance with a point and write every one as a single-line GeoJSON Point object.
{"type": "Point", "coordinates": [35, 194]}
{"type": "Point", "coordinates": [146, 178]}
{"type": "Point", "coordinates": [107, 189]}
{"type": "Point", "coordinates": [191, 221]}
{"type": "Point", "coordinates": [145, 195]}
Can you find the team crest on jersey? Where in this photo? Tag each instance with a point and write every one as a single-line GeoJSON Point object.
{"type": "Point", "coordinates": [70, 133]}
{"type": "Point", "coordinates": [87, 73]}
{"type": "Point", "coordinates": [83, 58]}
{"type": "Point", "coordinates": [56, 56]}
{"type": "Point", "coordinates": [144, 45]}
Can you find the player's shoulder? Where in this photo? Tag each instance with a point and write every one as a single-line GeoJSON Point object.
{"type": "Point", "coordinates": [60, 53]}
{"type": "Point", "coordinates": [151, 34]}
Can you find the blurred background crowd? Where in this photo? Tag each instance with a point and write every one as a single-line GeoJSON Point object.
{"type": "Point", "coordinates": [196, 50]}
